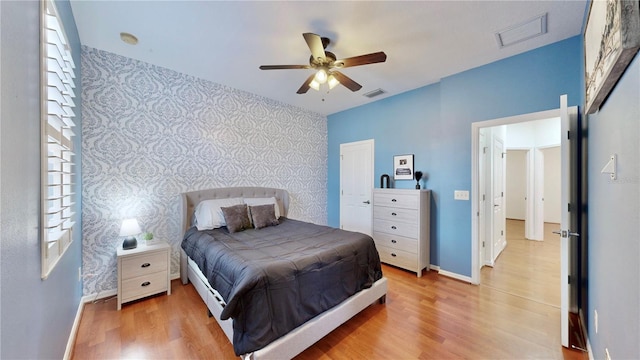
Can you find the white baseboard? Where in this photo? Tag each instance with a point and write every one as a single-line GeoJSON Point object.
{"type": "Point", "coordinates": [74, 331]}
{"type": "Point", "coordinates": [434, 267]}
{"type": "Point", "coordinates": [455, 276]}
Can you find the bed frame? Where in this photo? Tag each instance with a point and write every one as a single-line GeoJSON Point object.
{"type": "Point", "coordinates": [301, 337]}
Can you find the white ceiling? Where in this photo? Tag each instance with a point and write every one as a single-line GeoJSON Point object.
{"type": "Point", "coordinates": [226, 41]}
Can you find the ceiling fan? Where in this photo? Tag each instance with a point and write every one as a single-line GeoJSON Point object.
{"type": "Point", "coordinates": [327, 65]}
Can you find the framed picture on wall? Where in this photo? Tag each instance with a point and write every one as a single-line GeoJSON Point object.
{"type": "Point", "coordinates": [403, 167]}
{"type": "Point", "coordinates": [611, 40]}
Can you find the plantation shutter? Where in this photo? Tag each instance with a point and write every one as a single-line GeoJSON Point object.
{"type": "Point", "coordinates": [57, 148]}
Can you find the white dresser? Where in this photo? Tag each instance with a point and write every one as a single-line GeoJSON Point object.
{"type": "Point", "coordinates": [401, 227]}
{"type": "Point", "coordinates": [143, 271]}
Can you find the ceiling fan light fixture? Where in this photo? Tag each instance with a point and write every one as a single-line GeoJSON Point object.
{"type": "Point", "coordinates": [128, 38]}
{"type": "Point", "coordinates": [314, 85]}
{"type": "Point", "coordinates": [321, 76]}
{"type": "Point", "coordinates": [332, 81]}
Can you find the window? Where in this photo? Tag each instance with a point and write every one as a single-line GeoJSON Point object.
{"type": "Point", "coordinates": [57, 220]}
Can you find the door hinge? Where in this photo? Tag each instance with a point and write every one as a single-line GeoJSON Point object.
{"type": "Point", "coordinates": [502, 155]}
{"type": "Point", "coordinates": [478, 213]}
{"type": "Point", "coordinates": [568, 135]}
{"type": "Point", "coordinates": [501, 232]}
{"type": "Point", "coordinates": [502, 194]}
{"type": "Point", "coordinates": [483, 244]}
{"type": "Point", "coordinates": [484, 150]}
{"type": "Point", "coordinates": [569, 207]}
{"type": "Point", "coordinates": [483, 197]}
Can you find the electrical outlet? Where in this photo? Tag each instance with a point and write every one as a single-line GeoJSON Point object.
{"type": "Point", "coordinates": [595, 320]}
{"type": "Point", "coordinates": [461, 195]}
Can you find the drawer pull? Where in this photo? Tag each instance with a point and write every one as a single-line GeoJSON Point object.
{"type": "Point", "coordinates": [393, 200]}
{"type": "Point", "coordinates": [394, 241]}
{"type": "Point", "coordinates": [145, 265]}
{"type": "Point", "coordinates": [394, 214]}
{"type": "Point", "coordinates": [146, 283]}
{"type": "Point", "coordinates": [393, 227]}
{"type": "Point", "coordinates": [393, 254]}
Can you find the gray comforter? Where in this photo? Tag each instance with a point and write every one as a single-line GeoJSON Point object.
{"type": "Point", "coordinates": [276, 278]}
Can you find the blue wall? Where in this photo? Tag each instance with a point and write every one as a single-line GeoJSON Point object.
{"type": "Point", "coordinates": [614, 215]}
{"type": "Point", "coordinates": [434, 123]}
{"type": "Point", "coordinates": [37, 315]}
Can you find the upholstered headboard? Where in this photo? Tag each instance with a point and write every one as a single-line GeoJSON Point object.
{"type": "Point", "coordinates": [191, 199]}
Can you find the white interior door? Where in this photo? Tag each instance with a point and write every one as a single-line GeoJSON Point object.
{"type": "Point", "coordinates": [356, 186]}
{"type": "Point", "coordinates": [482, 197]}
{"type": "Point", "coordinates": [498, 198]}
{"type": "Point", "coordinates": [568, 218]}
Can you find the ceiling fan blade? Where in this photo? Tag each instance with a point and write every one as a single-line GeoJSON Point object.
{"type": "Point", "coordinates": [372, 58]}
{"type": "Point", "coordinates": [346, 81]}
{"type": "Point", "coordinates": [315, 45]}
{"type": "Point", "coordinates": [283, 67]}
{"type": "Point", "coordinates": [305, 87]}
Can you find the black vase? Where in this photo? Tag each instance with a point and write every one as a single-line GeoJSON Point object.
{"type": "Point", "coordinates": [382, 181]}
{"type": "Point", "coordinates": [418, 177]}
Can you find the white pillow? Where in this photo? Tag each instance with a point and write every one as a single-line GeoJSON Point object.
{"type": "Point", "coordinates": [264, 201]}
{"type": "Point", "coordinates": [209, 215]}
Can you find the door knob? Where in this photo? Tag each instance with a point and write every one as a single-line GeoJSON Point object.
{"type": "Point", "coordinates": [366, 202]}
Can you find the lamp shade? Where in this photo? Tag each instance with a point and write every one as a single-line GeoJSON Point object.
{"type": "Point", "coordinates": [130, 227]}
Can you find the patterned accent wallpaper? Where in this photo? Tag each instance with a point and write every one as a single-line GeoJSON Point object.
{"type": "Point", "coordinates": [150, 133]}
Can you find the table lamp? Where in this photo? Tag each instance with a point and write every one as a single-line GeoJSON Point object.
{"type": "Point", "coordinates": [130, 228]}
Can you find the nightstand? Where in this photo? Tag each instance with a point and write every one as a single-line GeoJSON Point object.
{"type": "Point", "coordinates": [143, 271]}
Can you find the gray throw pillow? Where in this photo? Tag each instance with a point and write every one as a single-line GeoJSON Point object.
{"type": "Point", "coordinates": [236, 217]}
{"type": "Point", "coordinates": [263, 215]}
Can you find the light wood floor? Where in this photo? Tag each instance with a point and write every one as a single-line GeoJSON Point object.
{"type": "Point", "coordinates": [433, 317]}
{"type": "Point", "coordinates": [527, 268]}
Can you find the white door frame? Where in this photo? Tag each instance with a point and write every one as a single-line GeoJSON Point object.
{"type": "Point", "coordinates": [475, 133]}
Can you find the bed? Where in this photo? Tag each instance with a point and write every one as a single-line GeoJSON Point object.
{"type": "Point", "coordinates": [239, 301]}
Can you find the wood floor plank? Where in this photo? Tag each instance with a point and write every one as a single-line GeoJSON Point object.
{"type": "Point", "coordinates": [513, 314]}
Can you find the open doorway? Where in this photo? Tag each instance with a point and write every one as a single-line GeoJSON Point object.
{"type": "Point", "coordinates": [569, 196]}
{"type": "Point", "coordinates": [519, 180]}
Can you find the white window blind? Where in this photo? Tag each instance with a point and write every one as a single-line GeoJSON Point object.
{"type": "Point", "coordinates": [57, 145]}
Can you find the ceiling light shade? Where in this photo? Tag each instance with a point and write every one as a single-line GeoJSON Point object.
{"type": "Point", "coordinates": [314, 85]}
{"type": "Point", "coordinates": [332, 81]}
{"type": "Point", "coordinates": [128, 38]}
{"type": "Point", "coordinates": [321, 76]}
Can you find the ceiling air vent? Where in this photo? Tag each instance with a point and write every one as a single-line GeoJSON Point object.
{"type": "Point", "coordinates": [523, 31]}
{"type": "Point", "coordinates": [374, 93]}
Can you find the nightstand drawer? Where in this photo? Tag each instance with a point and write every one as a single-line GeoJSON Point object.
{"type": "Point", "coordinates": [395, 242]}
{"type": "Point", "coordinates": [396, 228]}
{"type": "Point", "coordinates": [406, 201]}
{"type": "Point", "coordinates": [144, 264]}
{"type": "Point", "coordinates": [395, 214]}
{"type": "Point", "coordinates": [144, 285]}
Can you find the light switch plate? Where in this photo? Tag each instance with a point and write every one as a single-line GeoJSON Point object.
{"type": "Point", "coordinates": [461, 195]}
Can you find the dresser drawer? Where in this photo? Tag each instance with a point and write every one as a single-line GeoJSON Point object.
{"type": "Point", "coordinates": [405, 201]}
{"type": "Point", "coordinates": [144, 285]}
{"type": "Point", "coordinates": [147, 263]}
{"type": "Point", "coordinates": [398, 258]}
{"type": "Point", "coordinates": [395, 242]}
{"type": "Point", "coordinates": [395, 214]}
{"type": "Point", "coordinates": [396, 228]}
